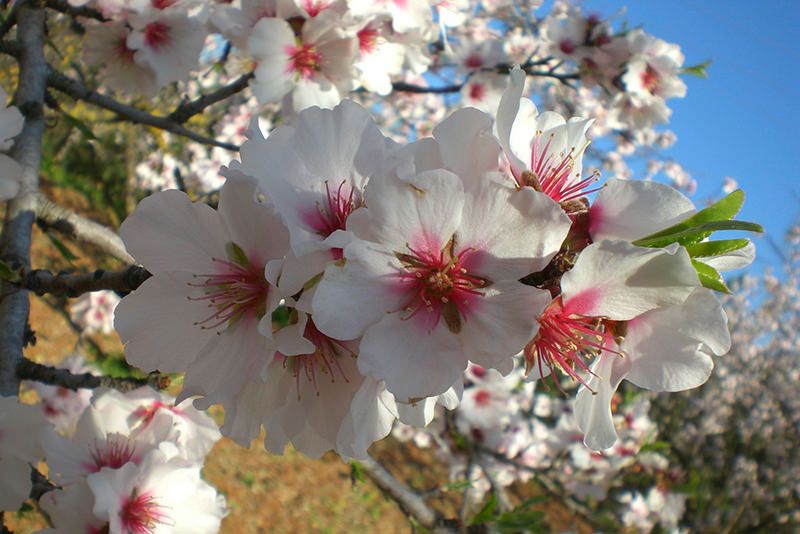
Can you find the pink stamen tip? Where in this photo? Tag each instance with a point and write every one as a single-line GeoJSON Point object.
{"type": "Point", "coordinates": [141, 514]}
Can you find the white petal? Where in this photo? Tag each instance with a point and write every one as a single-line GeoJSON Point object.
{"type": "Point", "coordinates": [507, 115]}
{"type": "Point", "coordinates": [593, 410]}
{"type": "Point", "coordinates": [617, 280]}
{"type": "Point", "coordinates": [737, 259]}
{"type": "Point", "coordinates": [632, 209]}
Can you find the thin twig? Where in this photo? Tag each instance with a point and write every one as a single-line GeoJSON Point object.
{"type": "Point", "coordinates": [190, 108]}
{"type": "Point", "coordinates": [15, 242]}
{"type": "Point", "coordinates": [30, 370]}
{"type": "Point", "coordinates": [408, 501]}
{"type": "Point", "coordinates": [44, 282]}
{"type": "Point", "coordinates": [78, 227]}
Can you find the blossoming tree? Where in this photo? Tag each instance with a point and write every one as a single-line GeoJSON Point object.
{"type": "Point", "coordinates": [354, 219]}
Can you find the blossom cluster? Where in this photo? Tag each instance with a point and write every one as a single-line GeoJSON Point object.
{"type": "Point", "coordinates": [345, 281]}
{"type": "Point", "coordinates": [130, 463]}
{"type": "Point", "coordinates": [506, 430]}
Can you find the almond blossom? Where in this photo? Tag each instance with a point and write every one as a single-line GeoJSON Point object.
{"type": "Point", "coordinates": [434, 261]}
{"type": "Point", "coordinates": [11, 122]}
{"type": "Point", "coordinates": [207, 310]}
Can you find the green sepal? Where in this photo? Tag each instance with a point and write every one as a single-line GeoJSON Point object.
{"type": "Point", "coordinates": [708, 249]}
{"type": "Point", "coordinates": [709, 277]}
{"type": "Point", "coordinates": [236, 254]}
{"type": "Point", "coordinates": [700, 70]}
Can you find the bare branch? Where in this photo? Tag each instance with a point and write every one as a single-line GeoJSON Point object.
{"type": "Point", "coordinates": [408, 501]}
{"type": "Point", "coordinates": [10, 21]}
{"type": "Point", "coordinates": [29, 370]}
{"type": "Point", "coordinates": [78, 227]}
{"type": "Point", "coordinates": [15, 242]}
{"type": "Point", "coordinates": [190, 108]}
{"type": "Point", "coordinates": [43, 282]}
{"type": "Point", "coordinates": [40, 485]}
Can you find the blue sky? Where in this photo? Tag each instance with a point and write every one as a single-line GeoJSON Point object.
{"type": "Point", "coordinates": [741, 121]}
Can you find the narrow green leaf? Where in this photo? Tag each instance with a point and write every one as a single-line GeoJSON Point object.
{"type": "Point", "coordinates": [709, 277]}
{"type": "Point", "coordinates": [487, 513]}
{"type": "Point", "coordinates": [79, 124]}
{"type": "Point", "coordinates": [356, 472]}
{"type": "Point", "coordinates": [700, 70]}
{"type": "Point", "coordinates": [722, 210]}
{"type": "Point", "coordinates": [708, 249]}
{"type": "Point", "coordinates": [695, 234]}
{"type": "Point", "coordinates": [656, 446]}
{"type": "Point", "coordinates": [459, 485]}
{"type": "Point", "coordinates": [62, 248]}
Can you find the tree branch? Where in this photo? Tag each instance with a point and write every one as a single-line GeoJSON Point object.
{"type": "Point", "coordinates": [190, 108]}
{"type": "Point", "coordinates": [65, 7]}
{"type": "Point", "coordinates": [29, 370]}
{"type": "Point", "coordinates": [78, 227]}
{"type": "Point", "coordinates": [43, 282]}
{"type": "Point", "coordinates": [15, 242]}
{"type": "Point", "coordinates": [78, 91]}
{"type": "Point", "coordinates": [408, 501]}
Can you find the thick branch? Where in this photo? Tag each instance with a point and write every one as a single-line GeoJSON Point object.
{"type": "Point", "coordinates": [408, 501]}
{"type": "Point", "coordinates": [29, 370]}
{"type": "Point", "coordinates": [15, 243]}
{"type": "Point", "coordinates": [78, 227]}
{"type": "Point", "coordinates": [43, 282]}
{"type": "Point", "coordinates": [190, 108]}
{"type": "Point", "coordinates": [75, 11]}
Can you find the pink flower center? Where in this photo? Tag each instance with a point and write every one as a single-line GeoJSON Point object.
{"type": "Point", "coordinates": [563, 339]}
{"type": "Point", "coordinates": [141, 514]}
{"type": "Point", "coordinates": [483, 398]}
{"type": "Point", "coordinates": [331, 214]}
{"type": "Point", "coordinates": [368, 40]}
{"type": "Point", "coordinates": [477, 91]}
{"type": "Point", "coordinates": [235, 291]}
{"type": "Point", "coordinates": [325, 359]}
{"type": "Point", "coordinates": [474, 61]}
{"type": "Point", "coordinates": [157, 34]}
{"type": "Point", "coordinates": [567, 46]}
{"type": "Point", "coordinates": [147, 413]}
{"type": "Point", "coordinates": [315, 7]}
{"type": "Point", "coordinates": [304, 60]}
{"type": "Point", "coordinates": [163, 4]}
{"type": "Point", "coordinates": [440, 284]}
{"type": "Point", "coordinates": [551, 173]}
{"type": "Point", "coordinates": [651, 80]}
{"type": "Point", "coordinates": [116, 451]}
{"type": "Point", "coordinates": [123, 52]}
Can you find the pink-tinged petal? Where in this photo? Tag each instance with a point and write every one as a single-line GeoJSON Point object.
{"type": "Point", "coordinates": [514, 233]}
{"type": "Point", "coordinates": [617, 280]}
{"type": "Point", "coordinates": [467, 145]}
{"type": "Point", "coordinates": [668, 347]}
{"type": "Point", "coordinates": [348, 299]}
{"type": "Point", "coordinates": [167, 232]}
{"type": "Point", "coordinates": [268, 43]}
{"type": "Point", "coordinates": [632, 209]}
{"type": "Point", "coordinates": [394, 350]}
{"type": "Point", "coordinates": [157, 324]}
{"type": "Point", "coordinates": [503, 322]}
{"type": "Point", "coordinates": [252, 224]}
{"type": "Point", "coordinates": [423, 212]}
{"type": "Point", "coordinates": [593, 406]}
{"type": "Point", "coordinates": [507, 113]}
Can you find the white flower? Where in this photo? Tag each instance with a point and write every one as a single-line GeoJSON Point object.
{"type": "Point", "coordinates": [106, 45]}
{"type": "Point", "coordinates": [315, 68]}
{"type": "Point", "coordinates": [94, 312]}
{"type": "Point", "coordinates": [208, 306]}
{"type": "Point", "coordinates": [544, 150]}
{"type": "Point", "coordinates": [437, 260]}
{"type": "Point", "coordinates": [21, 427]}
{"type": "Point", "coordinates": [62, 406]}
{"type": "Point", "coordinates": [162, 495]}
{"type": "Point", "coordinates": [654, 68]}
{"type": "Point", "coordinates": [70, 509]}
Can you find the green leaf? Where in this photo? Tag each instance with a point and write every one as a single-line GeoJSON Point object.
{"type": "Point", "coordinates": [656, 446]}
{"type": "Point", "coordinates": [79, 124]}
{"type": "Point", "coordinates": [709, 277]}
{"type": "Point", "coordinates": [700, 70]}
{"type": "Point", "coordinates": [459, 485]}
{"type": "Point", "coordinates": [62, 248]}
{"type": "Point", "coordinates": [722, 210]}
{"type": "Point", "coordinates": [709, 249]}
{"type": "Point", "coordinates": [7, 273]}
{"type": "Point", "coordinates": [356, 472]}
{"type": "Point", "coordinates": [695, 234]}
{"type": "Point", "coordinates": [486, 513]}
